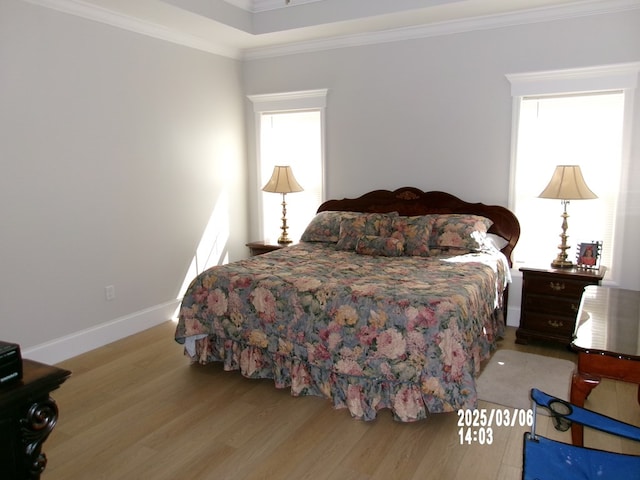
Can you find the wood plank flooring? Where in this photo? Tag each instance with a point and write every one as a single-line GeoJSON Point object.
{"type": "Point", "coordinates": [136, 409]}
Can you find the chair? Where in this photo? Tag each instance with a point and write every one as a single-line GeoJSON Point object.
{"type": "Point", "coordinates": [546, 459]}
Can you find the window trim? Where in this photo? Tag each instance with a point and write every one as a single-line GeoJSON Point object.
{"type": "Point", "coordinates": [287, 102]}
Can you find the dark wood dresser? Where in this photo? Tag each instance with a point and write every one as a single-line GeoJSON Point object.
{"type": "Point", "coordinates": [550, 302]}
{"type": "Point", "coordinates": [27, 416]}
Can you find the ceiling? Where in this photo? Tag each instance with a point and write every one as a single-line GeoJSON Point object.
{"type": "Point", "coordinates": [259, 28]}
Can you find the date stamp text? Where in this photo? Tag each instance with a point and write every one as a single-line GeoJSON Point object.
{"type": "Point", "coordinates": [477, 425]}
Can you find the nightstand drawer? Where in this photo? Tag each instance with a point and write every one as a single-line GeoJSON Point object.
{"type": "Point", "coordinates": [557, 287]}
{"type": "Point", "coordinates": [550, 324]}
{"type": "Point", "coordinates": [552, 306]}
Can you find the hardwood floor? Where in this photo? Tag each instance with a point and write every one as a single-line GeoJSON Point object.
{"type": "Point", "coordinates": [136, 409]}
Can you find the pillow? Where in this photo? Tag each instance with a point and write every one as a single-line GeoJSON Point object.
{"type": "Point", "coordinates": [325, 226]}
{"type": "Point", "coordinates": [382, 246]}
{"type": "Point", "coordinates": [495, 241]}
{"type": "Point", "coordinates": [415, 233]}
{"type": "Point", "coordinates": [351, 229]}
{"type": "Point", "coordinates": [459, 230]}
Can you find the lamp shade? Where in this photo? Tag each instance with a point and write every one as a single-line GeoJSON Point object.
{"type": "Point", "coordinates": [282, 181]}
{"type": "Point", "coordinates": [567, 183]}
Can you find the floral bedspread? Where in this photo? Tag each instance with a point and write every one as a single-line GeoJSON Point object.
{"type": "Point", "coordinates": [368, 332]}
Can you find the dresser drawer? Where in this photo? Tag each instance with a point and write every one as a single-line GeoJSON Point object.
{"type": "Point", "coordinates": [556, 287]}
{"type": "Point", "coordinates": [550, 324]}
{"type": "Point", "coordinates": [560, 306]}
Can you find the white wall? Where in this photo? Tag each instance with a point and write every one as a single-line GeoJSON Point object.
{"type": "Point", "coordinates": [436, 113]}
{"type": "Point", "coordinates": [115, 149]}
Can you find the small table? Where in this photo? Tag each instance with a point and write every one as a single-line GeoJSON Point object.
{"type": "Point", "coordinates": [550, 301]}
{"type": "Point", "coordinates": [607, 341]}
{"type": "Point", "coordinates": [27, 416]}
{"type": "Point", "coordinates": [264, 246]}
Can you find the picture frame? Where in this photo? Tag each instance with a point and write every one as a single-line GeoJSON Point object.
{"type": "Point", "coordinates": [588, 254]}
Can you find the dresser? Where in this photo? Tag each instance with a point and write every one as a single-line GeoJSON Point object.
{"type": "Point", "coordinates": [550, 302]}
{"type": "Point", "coordinates": [27, 416]}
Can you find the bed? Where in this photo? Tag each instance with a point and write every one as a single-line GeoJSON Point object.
{"type": "Point", "coordinates": [391, 300]}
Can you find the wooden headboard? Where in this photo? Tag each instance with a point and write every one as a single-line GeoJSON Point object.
{"type": "Point", "coordinates": [410, 201]}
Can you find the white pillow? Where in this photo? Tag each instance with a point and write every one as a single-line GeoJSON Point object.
{"type": "Point", "coordinates": [496, 241]}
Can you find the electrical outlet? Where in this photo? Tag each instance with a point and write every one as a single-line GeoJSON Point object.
{"type": "Point", "coordinates": [110, 292]}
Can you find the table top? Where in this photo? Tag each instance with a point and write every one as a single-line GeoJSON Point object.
{"type": "Point", "coordinates": [609, 322]}
{"type": "Point", "coordinates": [270, 243]}
{"type": "Point", "coordinates": [585, 273]}
{"type": "Point", "coordinates": [36, 378]}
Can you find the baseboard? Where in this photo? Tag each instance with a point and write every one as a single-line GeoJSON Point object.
{"type": "Point", "coordinates": [74, 344]}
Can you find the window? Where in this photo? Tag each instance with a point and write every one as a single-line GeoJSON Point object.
{"type": "Point", "coordinates": [583, 130]}
{"type": "Point", "coordinates": [290, 131]}
{"type": "Point", "coordinates": [294, 139]}
{"type": "Point", "coordinates": [573, 117]}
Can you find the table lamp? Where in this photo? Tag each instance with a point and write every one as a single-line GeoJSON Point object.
{"type": "Point", "coordinates": [282, 181]}
{"type": "Point", "coordinates": [567, 183]}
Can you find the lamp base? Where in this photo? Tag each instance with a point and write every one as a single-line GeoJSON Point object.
{"type": "Point", "coordinates": [561, 260]}
{"type": "Point", "coordinates": [562, 264]}
{"type": "Point", "coordinates": [284, 238]}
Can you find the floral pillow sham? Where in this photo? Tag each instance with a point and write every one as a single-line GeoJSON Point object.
{"type": "Point", "coordinates": [374, 224]}
{"type": "Point", "coordinates": [460, 231]}
{"type": "Point", "coordinates": [415, 233]}
{"type": "Point", "coordinates": [380, 246]}
{"type": "Point", "coordinates": [325, 226]}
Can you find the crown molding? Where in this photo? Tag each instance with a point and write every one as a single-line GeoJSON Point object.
{"type": "Point", "coordinates": [597, 7]}
{"type": "Point", "coordinates": [136, 25]}
{"type": "Point", "coordinates": [243, 4]}
{"type": "Point", "coordinates": [256, 6]}
{"type": "Point", "coordinates": [93, 12]}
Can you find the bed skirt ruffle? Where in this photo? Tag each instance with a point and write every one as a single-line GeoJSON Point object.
{"type": "Point", "coordinates": [362, 396]}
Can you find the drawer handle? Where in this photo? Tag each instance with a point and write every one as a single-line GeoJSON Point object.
{"type": "Point", "coordinates": [558, 287]}
{"type": "Point", "coordinates": [555, 323]}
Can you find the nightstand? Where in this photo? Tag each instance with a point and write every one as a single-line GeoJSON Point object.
{"type": "Point", "coordinates": [263, 246]}
{"type": "Point", "coordinates": [550, 301]}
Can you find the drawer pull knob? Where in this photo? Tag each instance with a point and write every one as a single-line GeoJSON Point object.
{"type": "Point", "coordinates": [558, 287]}
{"type": "Point", "coordinates": [555, 323]}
